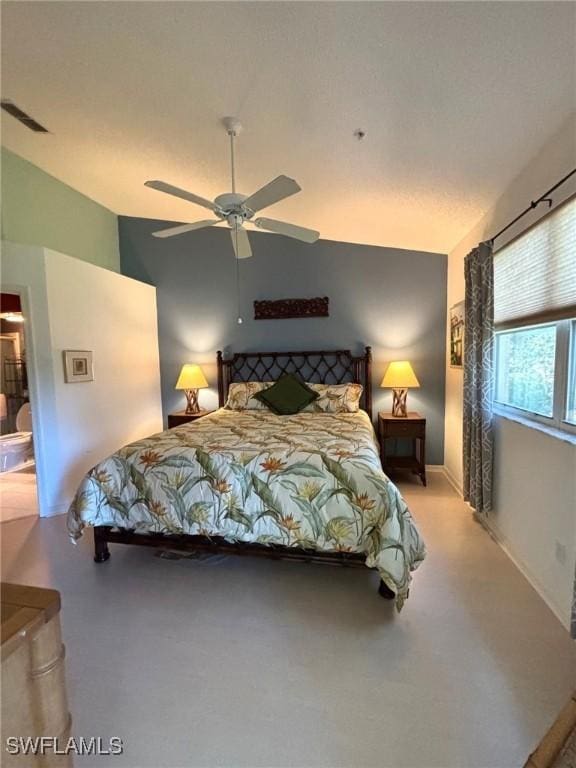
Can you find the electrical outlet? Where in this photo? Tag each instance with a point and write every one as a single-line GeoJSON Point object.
{"type": "Point", "coordinates": [561, 552]}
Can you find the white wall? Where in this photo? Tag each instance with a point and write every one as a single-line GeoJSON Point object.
{"type": "Point", "coordinates": [76, 305]}
{"type": "Point", "coordinates": [535, 493]}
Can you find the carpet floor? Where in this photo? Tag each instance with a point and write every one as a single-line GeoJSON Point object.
{"type": "Point", "coordinates": [244, 663]}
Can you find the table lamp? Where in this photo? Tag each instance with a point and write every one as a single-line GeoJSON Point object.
{"type": "Point", "coordinates": [399, 376]}
{"type": "Point", "coordinates": [191, 379]}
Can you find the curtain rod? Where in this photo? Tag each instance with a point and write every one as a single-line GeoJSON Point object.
{"type": "Point", "coordinates": [534, 204]}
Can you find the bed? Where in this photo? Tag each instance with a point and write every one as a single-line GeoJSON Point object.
{"type": "Point", "coordinates": [308, 486]}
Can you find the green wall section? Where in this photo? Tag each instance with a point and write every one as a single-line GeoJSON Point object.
{"type": "Point", "coordinates": [37, 209]}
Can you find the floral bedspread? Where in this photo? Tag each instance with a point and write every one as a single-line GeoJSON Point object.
{"type": "Point", "coordinates": [312, 480]}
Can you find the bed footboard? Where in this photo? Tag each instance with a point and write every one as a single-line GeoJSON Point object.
{"type": "Point", "coordinates": [187, 543]}
{"type": "Point", "coordinates": [385, 591]}
{"type": "Point", "coordinates": [101, 551]}
{"type": "Point", "coordinates": [215, 545]}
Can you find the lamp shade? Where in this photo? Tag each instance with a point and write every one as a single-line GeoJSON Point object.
{"type": "Point", "coordinates": [399, 375]}
{"type": "Point", "coordinates": [191, 377]}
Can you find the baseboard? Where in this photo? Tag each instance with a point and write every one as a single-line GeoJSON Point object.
{"type": "Point", "coordinates": [495, 534]}
{"type": "Point", "coordinates": [434, 467]}
{"type": "Point", "coordinates": [452, 480]}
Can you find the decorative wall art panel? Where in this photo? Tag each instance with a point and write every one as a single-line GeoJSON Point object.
{"type": "Point", "coordinates": [282, 309]}
{"type": "Point", "coordinates": [457, 335]}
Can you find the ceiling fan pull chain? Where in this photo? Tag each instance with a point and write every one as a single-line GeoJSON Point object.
{"type": "Point", "coordinates": [237, 260]}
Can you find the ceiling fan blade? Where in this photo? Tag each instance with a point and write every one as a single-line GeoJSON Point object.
{"type": "Point", "coordinates": [171, 231]}
{"type": "Point", "coordinates": [162, 186]}
{"type": "Point", "coordinates": [276, 190]}
{"type": "Point", "coordinates": [241, 243]}
{"type": "Point", "coordinates": [290, 230]}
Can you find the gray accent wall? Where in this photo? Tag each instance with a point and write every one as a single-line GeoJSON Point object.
{"type": "Point", "coordinates": [391, 299]}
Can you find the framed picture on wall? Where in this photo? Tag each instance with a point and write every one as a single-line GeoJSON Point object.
{"type": "Point", "coordinates": [457, 335]}
{"type": "Point", "coordinates": [78, 366]}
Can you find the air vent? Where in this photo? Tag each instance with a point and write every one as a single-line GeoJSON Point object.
{"type": "Point", "coordinates": [25, 119]}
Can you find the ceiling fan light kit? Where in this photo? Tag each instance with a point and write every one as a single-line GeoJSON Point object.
{"type": "Point", "coordinates": [236, 209]}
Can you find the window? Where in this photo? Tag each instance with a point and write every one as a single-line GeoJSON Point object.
{"type": "Point", "coordinates": [534, 313]}
{"type": "Point", "coordinates": [525, 360]}
{"type": "Point", "coordinates": [536, 373]}
{"type": "Point", "coordinates": [571, 394]}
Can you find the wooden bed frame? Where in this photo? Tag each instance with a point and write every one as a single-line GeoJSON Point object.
{"type": "Point", "coordinates": [322, 367]}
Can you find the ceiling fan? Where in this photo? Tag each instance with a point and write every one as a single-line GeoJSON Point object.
{"type": "Point", "coordinates": [237, 209]}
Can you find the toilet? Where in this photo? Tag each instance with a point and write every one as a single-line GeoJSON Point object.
{"type": "Point", "coordinates": [16, 448]}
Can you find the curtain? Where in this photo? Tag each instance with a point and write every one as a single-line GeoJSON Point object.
{"type": "Point", "coordinates": [478, 377]}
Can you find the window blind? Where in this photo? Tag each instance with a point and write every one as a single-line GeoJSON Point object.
{"type": "Point", "coordinates": [535, 274]}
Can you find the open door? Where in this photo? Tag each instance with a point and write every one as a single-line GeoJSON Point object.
{"type": "Point", "coordinates": [18, 485]}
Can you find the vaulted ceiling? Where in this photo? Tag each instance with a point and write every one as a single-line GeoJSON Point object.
{"type": "Point", "coordinates": [454, 98]}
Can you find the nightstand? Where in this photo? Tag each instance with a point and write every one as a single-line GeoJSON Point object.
{"type": "Point", "coordinates": [412, 427]}
{"type": "Point", "coordinates": [181, 417]}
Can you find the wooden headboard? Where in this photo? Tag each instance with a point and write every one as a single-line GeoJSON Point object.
{"type": "Point", "coordinates": [318, 367]}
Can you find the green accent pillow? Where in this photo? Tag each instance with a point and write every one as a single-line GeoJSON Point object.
{"type": "Point", "coordinates": [287, 396]}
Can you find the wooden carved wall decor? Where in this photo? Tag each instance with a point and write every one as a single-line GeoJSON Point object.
{"type": "Point", "coordinates": [282, 309]}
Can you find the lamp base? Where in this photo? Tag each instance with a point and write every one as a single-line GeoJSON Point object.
{"type": "Point", "coordinates": [399, 403]}
{"type": "Point", "coordinates": [191, 401]}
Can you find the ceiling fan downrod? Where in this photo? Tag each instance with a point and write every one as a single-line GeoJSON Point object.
{"type": "Point", "coordinates": [233, 128]}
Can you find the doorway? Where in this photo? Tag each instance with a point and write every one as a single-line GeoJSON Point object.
{"type": "Point", "coordinates": [18, 484]}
